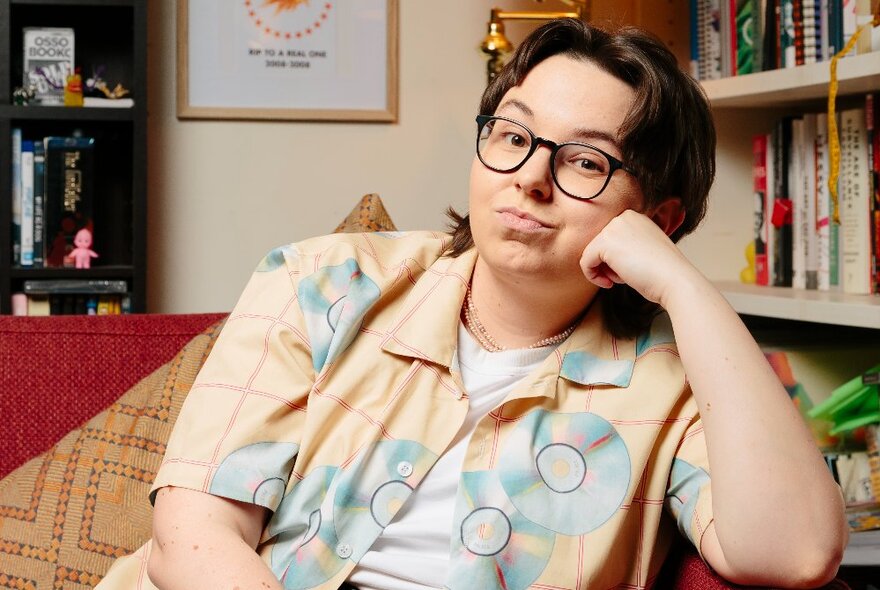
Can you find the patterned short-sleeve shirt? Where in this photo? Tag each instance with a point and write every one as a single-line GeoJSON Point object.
{"type": "Point", "coordinates": [333, 389]}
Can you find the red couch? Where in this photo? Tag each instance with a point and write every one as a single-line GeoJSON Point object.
{"type": "Point", "coordinates": [57, 372]}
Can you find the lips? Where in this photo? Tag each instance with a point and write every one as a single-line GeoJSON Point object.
{"type": "Point", "coordinates": [520, 220]}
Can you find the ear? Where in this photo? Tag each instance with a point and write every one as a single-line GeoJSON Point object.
{"type": "Point", "coordinates": [668, 215]}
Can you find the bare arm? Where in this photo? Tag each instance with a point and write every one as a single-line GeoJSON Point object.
{"type": "Point", "coordinates": [204, 541]}
{"type": "Point", "coordinates": [778, 513]}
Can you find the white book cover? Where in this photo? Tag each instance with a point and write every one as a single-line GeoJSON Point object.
{"type": "Point", "coordinates": [855, 205]}
{"type": "Point", "coordinates": [823, 203]}
{"type": "Point", "coordinates": [798, 197]}
{"type": "Point", "coordinates": [771, 173]}
{"type": "Point", "coordinates": [808, 172]}
{"type": "Point", "coordinates": [16, 195]}
{"type": "Point", "coordinates": [48, 60]}
{"type": "Point", "coordinates": [27, 203]}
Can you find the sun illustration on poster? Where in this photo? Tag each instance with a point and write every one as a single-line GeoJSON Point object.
{"type": "Point", "coordinates": [288, 19]}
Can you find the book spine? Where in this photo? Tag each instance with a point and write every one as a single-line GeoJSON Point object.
{"type": "Point", "coordinates": [16, 196]}
{"type": "Point", "coordinates": [68, 194]}
{"type": "Point", "coordinates": [834, 233]}
{"type": "Point", "coordinates": [768, 211]}
{"type": "Point", "coordinates": [796, 175]}
{"type": "Point", "coordinates": [787, 34]}
{"type": "Point", "coordinates": [759, 185]}
{"type": "Point", "coordinates": [746, 22]}
{"type": "Point", "coordinates": [799, 33]}
{"type": "Point", "coordinates": [823, 203]}
{"type": "Point", "coordinates": [770, 36]}
{"type": "Point", "coordinates": [27, 203]}
{"type": "Point", "coordinates": [811, 30]}
{"type": "Point", "coordinates": [713, 40]}
{"type": "Point", "coordinates": [873, 136]}
{"type": "Point", "coordinates": [694, 64]}
{"type": "Point", "coordinates": [811, 234]}
{"type": "Point", "coordinates": [824, 30]}
{"type": "Point", "coordinates": [854, 203]}
{"type": "Point", "coordinates": [781, 217]}
{"type": "Point", "coordinates": [848, 23]}
{"type": "Point", "coordinates": [39, 205]}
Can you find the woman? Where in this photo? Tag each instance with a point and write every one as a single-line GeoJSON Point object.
{"type": "Point", "coordinates": [503, 409]}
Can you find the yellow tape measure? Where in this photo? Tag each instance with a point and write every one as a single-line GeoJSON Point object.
{"type": "Point", "coordinates": [834, 140]}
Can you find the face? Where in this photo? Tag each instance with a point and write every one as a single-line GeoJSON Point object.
{"type": "Point", "coordinates": [523, 225]}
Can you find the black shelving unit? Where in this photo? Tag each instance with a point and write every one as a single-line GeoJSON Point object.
{"type": "Point", "coordinates": [109, 33]}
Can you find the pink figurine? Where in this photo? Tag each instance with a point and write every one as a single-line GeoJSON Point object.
{"type": "Point", "coordinates": [83, 254]}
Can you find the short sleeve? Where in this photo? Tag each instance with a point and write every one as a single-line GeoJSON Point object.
{"type": "Point", "coordinates": [689, 491]}
{"type": "Point", "coordinates": [239, 430]}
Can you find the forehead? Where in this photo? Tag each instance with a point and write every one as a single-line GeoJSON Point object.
{"type": "Point", "coordinates": [562, 93]}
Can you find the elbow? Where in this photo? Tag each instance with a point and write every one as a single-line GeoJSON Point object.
{"type": "Point", "coordinates": [157, 563]}
{"type": "Point", "coordinates": [817, 572]}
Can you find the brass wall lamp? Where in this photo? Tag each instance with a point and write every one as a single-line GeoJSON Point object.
{"type": "Point", "coordinates": [496, 45]}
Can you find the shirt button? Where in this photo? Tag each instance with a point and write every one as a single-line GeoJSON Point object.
{"type": "Point", "coordinates": [343, 550]}
{"type": "Point", "coordinates": [404, 468]}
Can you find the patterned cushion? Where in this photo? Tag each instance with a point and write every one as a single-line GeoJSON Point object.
{"type": "Point", "coordinates": [368, 215]}
{"type": "Point", "coordinates": [65, 516]}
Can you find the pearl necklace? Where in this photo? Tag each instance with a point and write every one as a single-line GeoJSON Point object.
{"type": "Point", "coordinates": [489, 343]}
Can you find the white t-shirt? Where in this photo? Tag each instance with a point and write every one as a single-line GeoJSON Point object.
{"type": "Point", "coordinates": [412, 553]}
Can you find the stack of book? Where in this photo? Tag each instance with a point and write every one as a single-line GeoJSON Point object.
{"type": "Point", "coordinates": [736, 37]}
{"type": "Point", "coordinates": [73, 296]}
{"type": "Point", "coordinates": [797, 242]}
{"type": "Point", "coordinates": [52, 197]}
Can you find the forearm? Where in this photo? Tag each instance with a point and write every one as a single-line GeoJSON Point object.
{"type": "Point", "coordinates": [205, 541]}
{"type": "Point", "coordinates": [211, 557]}
{"type": "Point", "coordinates": [776, 506]}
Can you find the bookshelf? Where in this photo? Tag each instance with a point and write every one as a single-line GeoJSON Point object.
{"type": "Point", "coordinates": [109, 33]}
{"type": "Point", "coordinates": [744, 106]}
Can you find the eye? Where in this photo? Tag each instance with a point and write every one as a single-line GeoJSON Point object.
{"type": "Point", "coordinates": [515, 139]}
{"type": "Point", "coordinates": [587, 161]}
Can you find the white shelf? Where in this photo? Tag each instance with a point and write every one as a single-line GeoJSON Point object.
{"type": "Point", "coordinates": [788, 86]}
{"type": "Point", "coordinates": [827, 307]}
{"type": "Point", "coordinates": [863, 548]}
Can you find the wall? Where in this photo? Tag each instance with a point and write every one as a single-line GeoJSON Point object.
{"type": "Point", "coordinates": [222, 193]}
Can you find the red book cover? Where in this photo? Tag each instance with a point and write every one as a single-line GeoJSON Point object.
{"type": "Point", "coordinates": [759, 177]}
{"type": "Point", "coordinates": [799, 47]}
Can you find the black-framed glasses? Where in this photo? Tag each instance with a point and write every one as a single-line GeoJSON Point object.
{"type": "Point", "coordinates": [580, 170]}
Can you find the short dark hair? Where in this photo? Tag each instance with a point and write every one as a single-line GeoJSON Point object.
{"type": "Point", "coordinates": [668, 137]}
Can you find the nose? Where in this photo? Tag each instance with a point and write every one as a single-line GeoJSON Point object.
{"type": "Point", "coordinates": [534, 177]}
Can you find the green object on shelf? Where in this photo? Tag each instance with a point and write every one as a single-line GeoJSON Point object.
{"type": "Point", "coordinates": [853, 404]}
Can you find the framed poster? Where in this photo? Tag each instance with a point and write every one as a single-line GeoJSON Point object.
{"type": "Point", "coordinates": [307, 60]}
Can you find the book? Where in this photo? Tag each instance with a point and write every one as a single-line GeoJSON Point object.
{"type": "Point", "coordinates": [39, 204]}
{"type": "Point", "coordinates": [759, 184]}
{"type": "Point", "coordinates": [810, 233]}
{"type": "Point", "coordinates": [74, 286]}
{"type": "Point", "coordinates": [797, 186]}
{"type": "Point", "coordinates": [68, 194]}
{"type": "Point", "coordinates": [16, 196]}
{"type": "Point", "coordinates": [27, 204]}
{"type": "Point", "coordinates": [787, 34]}
{"type": "Point", "coordinates": [781, 217]}
{"type": "Point", "coordinates": [823, 205]}
{"type": "Point", "coordinates": [48, 60]}
{"type": "Point", "coordinates": [856, 267]}
{"type": "Point", "coordinates": [746, 20]}
{"type": "Point", "coordinates": [872, 122]}
{"type": "Point", "coordinates": [108, 103]}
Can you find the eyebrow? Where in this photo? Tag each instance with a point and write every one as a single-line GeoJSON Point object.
{"type": "Point", "coordinates": [578, 133]}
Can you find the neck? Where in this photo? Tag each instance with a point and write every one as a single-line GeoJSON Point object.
{"type": "Point", "coordinates": [519, 313]}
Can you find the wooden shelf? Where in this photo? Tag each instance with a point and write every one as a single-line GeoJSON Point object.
{"type": "Point", "coordinates": [77, 2]}
{"type": "Point", "coordinates": [97, 272]}
{"type": "Point", "coordinates": [60, 113]}
{"type": "Point", "coordinates": [863, 549]}
{"type": "Point", "coordinates": [791, 86]}
{"type": "Point", "coordinates": [826, 307]}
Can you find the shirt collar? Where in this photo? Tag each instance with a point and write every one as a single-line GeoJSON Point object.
{"type": "Point", "coordinates": [426, 327]}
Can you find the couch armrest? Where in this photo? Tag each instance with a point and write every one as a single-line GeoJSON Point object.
{"type": "Point", "coordinates": [58, 371]}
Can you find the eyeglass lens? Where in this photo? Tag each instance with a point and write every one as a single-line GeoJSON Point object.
{"type": "Point", "coordinates": [579, 170]}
